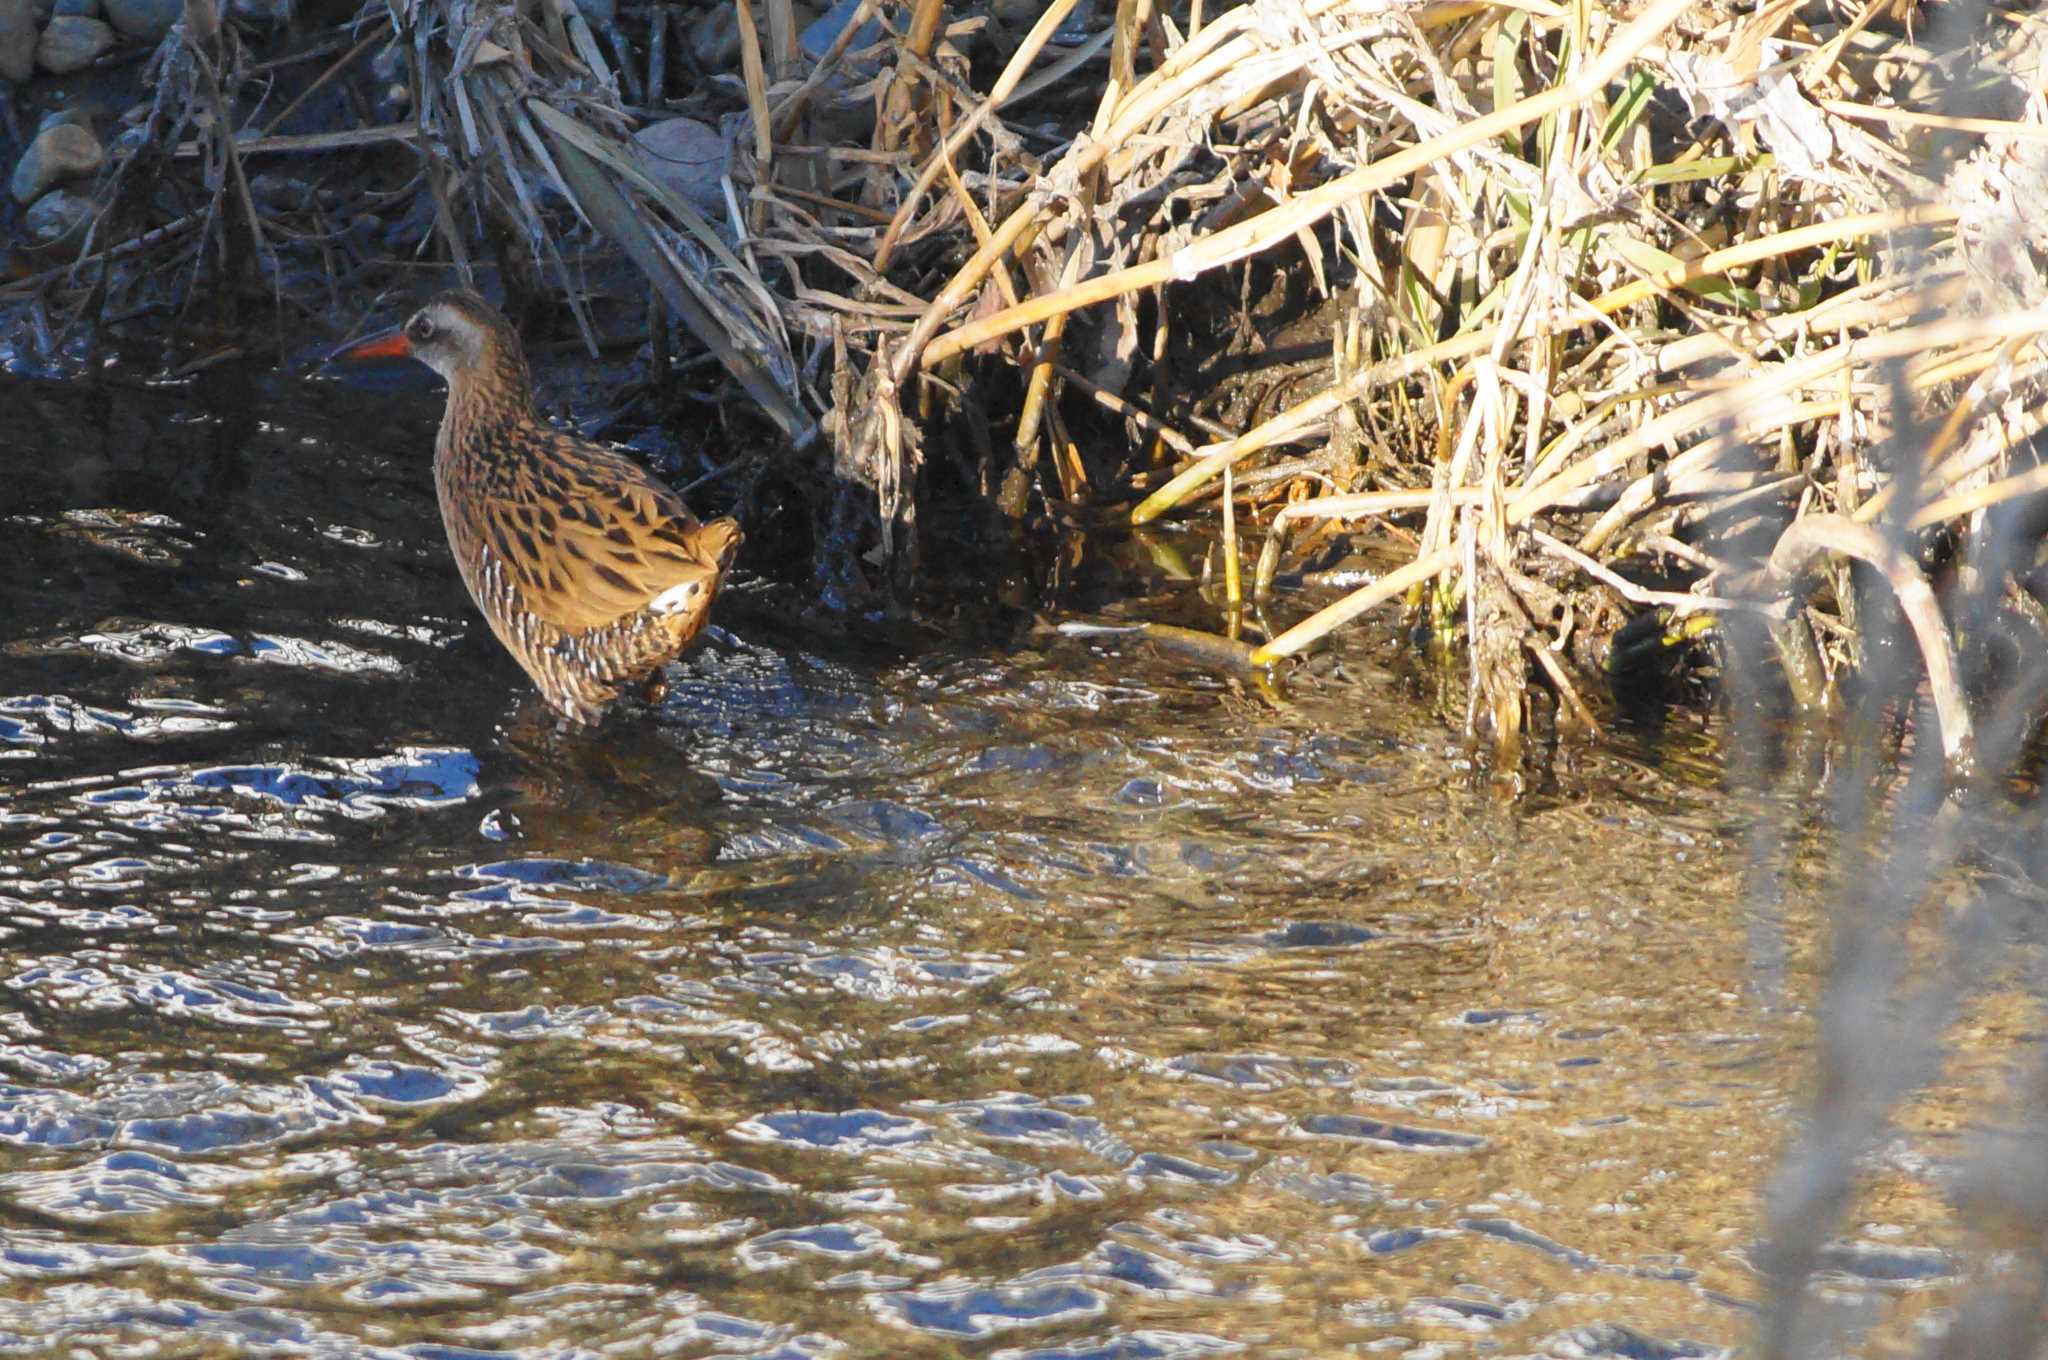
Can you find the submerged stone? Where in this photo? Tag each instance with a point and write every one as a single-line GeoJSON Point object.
{"type": "Point", "coordinates": [148, 20]}
{"type": "Point", "coordinates": [72, 44]}
{"type": "Point", "coordinates": [715, 39]}
{"type": "Point", "coordinates": [272, 12]}
{"type": "Point", "coordinates": [17, 40]}
{"type": "Point", "coordinates": [57, 218]}
{"type": "Point", "coordinates": [61, 152]}
{"type": "Point", "coordinates": [83, 114]}
{"type": "Point", "coordinates": [817, 39]}
{"type": "Point", "coordinates": [687, 156]}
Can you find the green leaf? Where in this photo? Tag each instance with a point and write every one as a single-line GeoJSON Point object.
{"type": "Point", "coordinates": [1651, 260]}
{"type": "Point", "coordinates": [1628, 110]}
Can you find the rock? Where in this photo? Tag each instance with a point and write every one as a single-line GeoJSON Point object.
{"type": "Point", "coordinates": [1079, 25]}
{"type": "Point", "coordinates": [390, 63]}
{"type": "Point", "coordinates": [391, 67]}
{"type": "Point", "coordinates": [66, 151]}
{"type": "Point", "coordinates": [715, 39]}
{"type": "Point", "coordinates": [57, 218]}
{"type": "Point", "coordinates": [277, 192]}
{"type": "Point", "coordinates": [77, 9]}
{"type": "Point", "coordinates": [148, 20]}
{"type": "Point", "coordinates": [836, 114]}
{"type": "Point", "coordinates": [81, 114]}
{"type": "Point", "coordinates": [1076, 27]}
{"type": "Point", "coordinates": [271, 12]}
{"type": "Point", "coordinates": [688, 157]}
{"type": "Point", "coordinates": [72, 44]}
{"type": "Point", "coordinates": [17, 40]}
{"type": "Point", "coordinates": [412, 227]}
{"type": "Point", "coordinates": [817, 39]}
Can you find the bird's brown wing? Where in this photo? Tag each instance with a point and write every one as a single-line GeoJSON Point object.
{"type": "Point", "coordinates": [590, 537]}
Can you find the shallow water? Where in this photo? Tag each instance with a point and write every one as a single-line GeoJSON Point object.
{"type": "Point", "coordinates": [1029, 998]}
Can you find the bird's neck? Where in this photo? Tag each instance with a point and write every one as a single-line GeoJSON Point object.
{"type": "Point", "coordinates": [487, 403]}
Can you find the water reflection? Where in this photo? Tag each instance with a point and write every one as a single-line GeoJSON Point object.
{"type": "Point", "coordinates": [1040, 1001]}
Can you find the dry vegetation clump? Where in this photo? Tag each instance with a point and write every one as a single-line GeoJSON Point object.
{"type": "Point", "coordinates": [1629, 323]}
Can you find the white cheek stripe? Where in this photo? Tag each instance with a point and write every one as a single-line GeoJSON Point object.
{"type": "Point", "coordinates": [675, 597]}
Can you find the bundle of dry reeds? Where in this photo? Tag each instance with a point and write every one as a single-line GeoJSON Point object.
{"type": "Point", "coordinates": [1589, 345]}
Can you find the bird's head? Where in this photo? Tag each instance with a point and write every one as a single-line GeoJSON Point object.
{"type": "Point", "coordinates": [457, 334]}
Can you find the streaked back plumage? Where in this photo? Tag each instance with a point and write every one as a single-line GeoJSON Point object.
{"type": "Point", "coordinates": [589, 570]}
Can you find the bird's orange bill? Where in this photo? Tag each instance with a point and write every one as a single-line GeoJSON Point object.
{"type": "Point", "coordinates": [390, 344]}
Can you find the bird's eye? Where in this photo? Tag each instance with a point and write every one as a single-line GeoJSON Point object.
{"type": "Point", "coordinates": [421, 329]}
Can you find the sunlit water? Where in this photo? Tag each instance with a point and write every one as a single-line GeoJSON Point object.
{"type": "Point", "coordinates": [1034, 1000]}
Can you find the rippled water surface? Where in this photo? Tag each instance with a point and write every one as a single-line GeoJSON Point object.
{"type": "Point", "coordinates": [1017, 997]}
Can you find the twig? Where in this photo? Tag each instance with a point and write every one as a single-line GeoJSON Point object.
{"type": "Point", "coordinates": [1814, 536]}
{"type": "Point", "coordinates": [1682, 601]}
{"type": "Point", "coordinates": [1995, 127]}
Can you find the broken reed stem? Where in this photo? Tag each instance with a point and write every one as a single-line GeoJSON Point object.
{"type": "Point", "coordinates": [1254, 235]}
{"type": "Point", "coordinates": [1285, 425]}
{"type": "Point", "coordinates": [1233, 576]}
{"type": "Point", "coordinates": [924, 27]}
{"type": "Point", "coordinates": [1719, 406]}
{"type": "Point", "coordinates": [1813, 536]}
{"type": "Point", "coordinates": [376, 35]}
{"type": "Point", "coordinates": [782, 37]}
{"type": "Point", "coordinates": [1682, 602]}
{"type": "Point", "coordinates": [1567, 692]}
{"type": "Point", "coordinates": [1732, 402]}
{"type": "Point", "coordinates": [1879, 303]}
{"type": "Point", "coordinates": [1206, 56]}
{"type": "Point", "coordinates": [756, 78]}
{"type": "Point", "coordinates": [1679, 477]}
{"type": "Point", "coordinates": [1047, 352]}
{"type": "Point", "coordinates": [30, 284]}
{"type": "Point", "coordinates": [1992, 127]}
{"type": "Point", "coordinates": [1019, 63]}
{"type": "Point", "coordinates": [783, 118]}
{"type": "Point", "coordinates": [1129, 410]}
{"type": "Point", "coordinates": [1326, 621]}
{"type": "Point", "coordinates": [1961, 503]}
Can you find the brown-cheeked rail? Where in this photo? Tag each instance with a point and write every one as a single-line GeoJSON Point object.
{"type": "Point", "coordinates": [590, 571]}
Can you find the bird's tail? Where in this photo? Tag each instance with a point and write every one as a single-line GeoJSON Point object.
{"type": "Point", "coordinates": [719, 542]}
